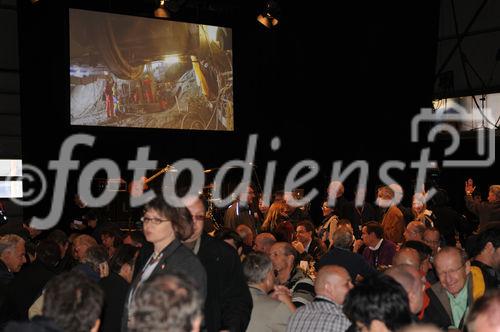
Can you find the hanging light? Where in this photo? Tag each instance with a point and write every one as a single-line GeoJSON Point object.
{"type": "Point", "coordinates": [268, 18]}
{"type": "Point", "coordinates": [162, 11]}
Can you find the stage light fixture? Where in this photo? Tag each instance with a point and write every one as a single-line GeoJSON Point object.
{"type": "Point", "coordinates": [269, 17]}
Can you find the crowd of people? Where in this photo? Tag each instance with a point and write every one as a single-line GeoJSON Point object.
{"type": "Point", "coordinates": [382, 267]}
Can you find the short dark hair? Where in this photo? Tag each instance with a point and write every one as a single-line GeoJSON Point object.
{"type": "Point", "coordinates": [117, 239]}
{"type": "Point", "coordinates": [48, 253]}
{"type": "Point", "coordinates": [229, 234]}
{"type": "Point", "coordinates": [179, 217]}
{"type": "Point", "coordinates": [489, 235]}
{"type": "Point", "coordinates": [125, 254]}
{"type": "Point", "coordinates": [378, 297]}
{"type": "Point", "coordinates": [424, 251]}
{"type": "Point", "coordinates": [307, 225]}
{"type": "Point", "coordinates": [374, 227]}
{"type": "Point", "coordinates": [166, 303]}
{"type": "Point", "coordinates": [58, 236]}
{"type": "Point", "coordinates": [73, 302]}
{"type": "Point", "coordinates": [95, 256]}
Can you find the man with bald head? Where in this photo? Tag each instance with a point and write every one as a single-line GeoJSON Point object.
{"type": "Point", "coordinates": [264, 242]}
{"type": "Point", "coordinates": [411, 280]}
{"type": "Point", "coordinates": [325, 312]}
{"type": "Point", "coordinates": [485, 313]}
{"type": "Point", "coordinates": [415, 231]}
{"type": "Point", "coordinates": [407, 256]}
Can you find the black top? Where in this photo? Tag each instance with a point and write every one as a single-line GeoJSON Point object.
{"type": "Point", "coordinates": [115, 294]}
{"type": "Point", "coordinates": [229, 303]}
{"type": "Point", "coordinates": [354, 263]}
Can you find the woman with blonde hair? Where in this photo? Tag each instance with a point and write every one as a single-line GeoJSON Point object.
{"type": "Point", "coordinates": [275, 215]}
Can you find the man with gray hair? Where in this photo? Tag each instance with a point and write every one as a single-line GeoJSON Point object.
{"type": "Point", "coordinates": [340, 254]}
{"type": "Point", "coordinates": [270, 313]}
{"type": "Point", "coordinates": [488, 211]}
{"type": "Point", "coordinates": [12, 256]}
{"type": "Point", "coordinates": [166, 303]}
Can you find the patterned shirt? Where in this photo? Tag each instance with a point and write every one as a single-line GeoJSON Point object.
{"type": "Point", "coordinates": [320, 315]}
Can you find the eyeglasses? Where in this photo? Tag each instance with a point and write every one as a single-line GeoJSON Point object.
{"type": "Point", "coordinates": [452, 271]}
{"type": "Point", "coordinates": [154, 221]}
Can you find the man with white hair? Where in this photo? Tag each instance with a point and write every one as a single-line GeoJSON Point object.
{"type": "Point", "coordinates": [488, 211]}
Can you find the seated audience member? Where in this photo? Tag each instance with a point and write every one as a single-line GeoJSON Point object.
{"type": "Point", "coordinates": [420, 211]}
{"type": "Point", "coordinates": [285, 264]}
{"type": "Point", "coordinates": [309, 248]}
{"type": "Point", "coordinates": [59, 237]}
{"type": "Point", "coordinates": [378, 304]}
{"type": "Point", "coordinates": [264, 242]}
{"type": "Point", "coordinates": [484, 315]}
{"type": "Point", "coordinates": [111, 241]}
{"type": "Point", "coordinates": [72, 302]}
{"type": "Point", "coordinates": [270, 312]}
{"type": "Point", "coordinates": [325, 312]}
{"type": "Point", "coordinates": [420, 328]}
{"type": "Point", "coordinates": [135, 239]}
{"type": "Point", "coordinates": [411, 280]}
{"type": "Point", "coordinates": [276, 214]}
{"type": "Point", "coordinates": [116, 285]}
{"type": "Point", "coordinates": [340, 254]}
{"type": "Point", "coordinates": [432, 238]}
{"type": "Point", "coordinates": [414, 231]}
{"type": "Point", "coordinates": [379, 252]}
{"type": "Point", "coordinates": [166, 303]}
{"type": "Point", "coordinates": [487, 257]}
{"type": "Point", "coordinates": [95, 263]}
{"type": "Point", "coordinates": [329, 224]}
{"type": "Point", "coordinates": [30, 281]}
{"type": "Point", "coordinates": [246, 235]}
{"type": "Point", "coordinates": [81, 244]}
{"type": "Point", "coordinates": [424, 253]}
{"type": "Point", "coordinates": [393, 222]}
{"type": "Point", "coordinates": [456, 290]}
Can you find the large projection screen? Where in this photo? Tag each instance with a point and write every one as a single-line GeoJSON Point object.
{"type": "Point", "coordinates": [128, 71]}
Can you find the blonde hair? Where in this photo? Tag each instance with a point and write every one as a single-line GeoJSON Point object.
{"type": "Point", "coordinates": [273, 214]}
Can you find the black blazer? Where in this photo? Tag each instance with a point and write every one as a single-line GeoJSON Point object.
{"type": "Point", "coordinates": [176, 259]}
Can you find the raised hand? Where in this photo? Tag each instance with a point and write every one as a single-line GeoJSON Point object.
{"type": "Point", "coordinates": [469, 187]}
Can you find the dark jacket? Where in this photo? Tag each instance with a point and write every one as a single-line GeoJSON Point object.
{"type": "Point", "coordinates": [26, 288]}
{"type": "Point", "coordinates": [382, 256]}
{"type": "Point", "coordinates": [38, 324]}
{"type": "Point", "coordinates": [486, 211]}
{"type": "Point", "coordinates": [439, 310]}
{"type": "Point", "coordinates": [6, 278]}
{"type": "Point", "coordinates": [229, 303]}
{"type": "Point", "coordinates": [176, 258]}
{"type": "Point", "coordinates": [354, 263]}
{"type": "Point", "coordinates": [115, 294]}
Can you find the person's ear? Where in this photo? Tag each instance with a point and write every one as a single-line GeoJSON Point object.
{"type": "Point", "coordinates": [196, 324]}
{"type": "Point", "coordinates": [467, 267]}
{"type": "Point", "coordinates": [96, 326]}
{"type": "Point", "coordinates": [104, 270]}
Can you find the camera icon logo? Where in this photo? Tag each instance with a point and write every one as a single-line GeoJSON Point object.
{"type": "Point", "coordinates": [448, 123]}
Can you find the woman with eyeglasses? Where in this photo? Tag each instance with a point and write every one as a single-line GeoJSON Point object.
{"type": "Point", "coordinates": [165, 227]}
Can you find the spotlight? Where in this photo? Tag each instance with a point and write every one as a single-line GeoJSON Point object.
{"type": "Point", "coordinates": [269, 17]}
{"type": "Point", "coordinates": [162, 11]}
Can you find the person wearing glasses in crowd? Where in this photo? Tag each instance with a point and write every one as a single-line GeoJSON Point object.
{"type": "Point", "coordinates": [452, 296]}
{"type": "Point", "coordinates": [165, 227]}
